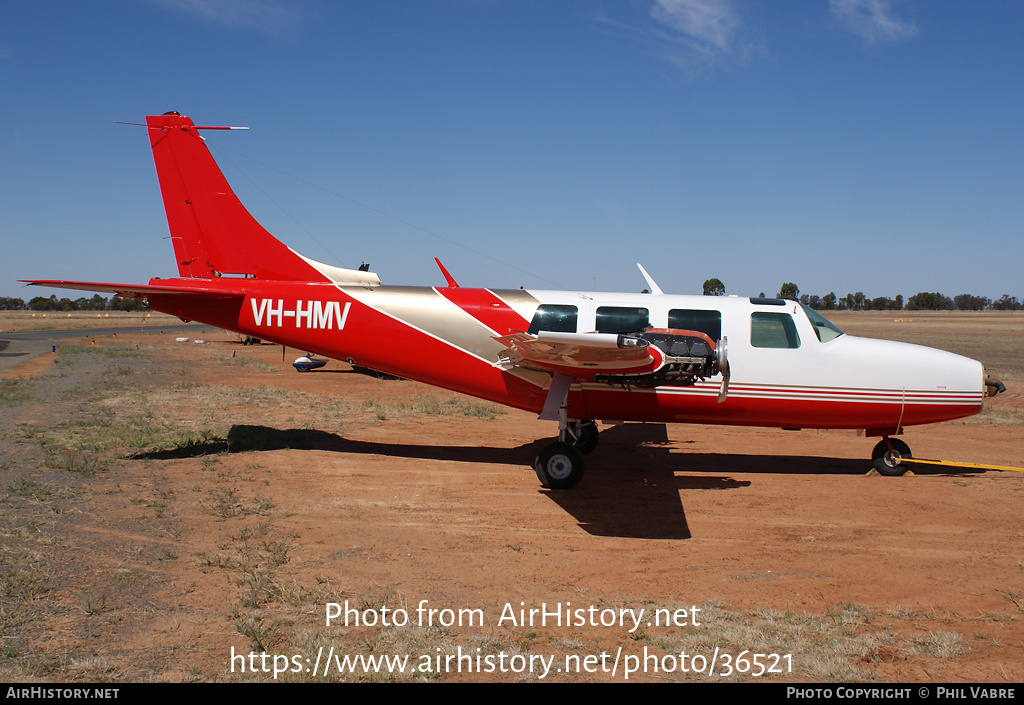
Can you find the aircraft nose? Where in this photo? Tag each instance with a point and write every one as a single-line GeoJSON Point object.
{"type": "Point", "coordinates": [945, 386]}
{"type": "Point", "coordinates": [925, 385]}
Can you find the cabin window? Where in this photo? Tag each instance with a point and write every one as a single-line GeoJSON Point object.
{"type": "Point", "coordinates": [773, 330]}
{"type": "Point", "coordinates": [622, 319]}
{"type": "Point", "coordinates": [707, 322]}
{"type": "Point", "coordinates": [825, 329]}
{"type": "Point", "coordinates": [557, 318]}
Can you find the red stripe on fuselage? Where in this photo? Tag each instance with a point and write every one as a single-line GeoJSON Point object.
{"type": "Point", "coordinates": [487, 308]}
{"type": "Point", "coordinates": [670, 406]}
{"type": "Point", "coordinates": [370, 337]}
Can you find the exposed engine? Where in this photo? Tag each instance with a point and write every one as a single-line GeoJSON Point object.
{"type": "Point", "coordinates": [690, 356]}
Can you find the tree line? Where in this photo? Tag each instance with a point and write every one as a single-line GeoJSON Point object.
{"type": "Point", "coordinates": [922, 301]}
{"type": "Point", "coordinates": [52, 303]}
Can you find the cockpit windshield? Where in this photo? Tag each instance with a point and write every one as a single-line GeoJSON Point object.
{"type": "Point", "coordinates": [823, 328]}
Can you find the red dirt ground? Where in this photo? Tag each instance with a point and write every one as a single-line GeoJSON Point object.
{"type": "Point", "coordinates": [445, 508]}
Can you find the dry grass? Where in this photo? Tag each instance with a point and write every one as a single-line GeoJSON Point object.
{"type": "Point", "coordinates": [56, 320]}
{"type": "Point", "coordinates": [432, 406]}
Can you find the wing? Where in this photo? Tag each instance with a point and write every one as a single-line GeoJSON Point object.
{"type": "Point", "coordinates": [582, 355]}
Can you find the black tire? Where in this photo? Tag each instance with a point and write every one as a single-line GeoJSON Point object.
{"type": "Point", "coordinates": [588, 437]}
{"type": "Point", "coordinates": [887, 463]}
{"type": "Point", "coordinates": [559, 466]}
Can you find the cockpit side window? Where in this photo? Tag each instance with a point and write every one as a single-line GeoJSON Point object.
{"type": "Point", "coordinates": [773, 330]}
{"type": "Point", "coordinates": [825, 329]}
{"type": "Point", "coordinates": [557, 318]}
{"type": "Point", "coordinates": [622, 319]}
{"type": "Point", "coordinates": [707, 322]}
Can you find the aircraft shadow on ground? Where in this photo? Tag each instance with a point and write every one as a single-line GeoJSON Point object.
{"type": "Point", "coordinates": [634, 465]}
{"type": "Point", "coordinates": [356, 370]}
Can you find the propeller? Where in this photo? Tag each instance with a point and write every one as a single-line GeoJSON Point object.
{"type": "Point", "coordinates": [723, 366]}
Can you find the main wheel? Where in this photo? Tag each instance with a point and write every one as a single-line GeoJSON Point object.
{"type": "Point", "coordinates": [889, 463]}
{"type": "Point", "coordinates": [559, 466]}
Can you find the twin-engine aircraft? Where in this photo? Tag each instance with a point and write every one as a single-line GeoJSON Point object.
{"type": "Point", "coordinates": [571, 357]}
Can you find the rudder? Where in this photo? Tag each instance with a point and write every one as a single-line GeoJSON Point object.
{"type": "Point", "coordinates": [212, 232]}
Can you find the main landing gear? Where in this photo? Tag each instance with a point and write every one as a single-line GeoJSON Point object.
{"type": "Point", "coordinates": [889, 455]}
{"type": "Point", "coordinates": [560, 465]}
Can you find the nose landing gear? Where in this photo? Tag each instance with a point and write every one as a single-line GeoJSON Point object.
{"type": "Point", "coordinates": [888, 457]}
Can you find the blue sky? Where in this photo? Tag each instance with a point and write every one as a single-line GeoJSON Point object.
{"type": "Point", "coordinates": [844, 145]}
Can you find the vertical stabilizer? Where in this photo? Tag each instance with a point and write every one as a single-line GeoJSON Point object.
{"type": "Point", "coordinates": [212, 232]}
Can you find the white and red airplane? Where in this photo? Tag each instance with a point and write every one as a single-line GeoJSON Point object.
{"type": "Point", "coordinates": [570, 356]}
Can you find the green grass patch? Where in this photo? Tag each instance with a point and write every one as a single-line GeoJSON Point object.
{"type": "Point", "coordinates": [72, 350]}
{"type": "Point", "coordinates": [434, 406]}
{"type": "Point", "coordinates": [13, 392]}
{"type": "Point", "coordinates": [249, 363]}
{"type": "Point", "coordinates": [21, 578]}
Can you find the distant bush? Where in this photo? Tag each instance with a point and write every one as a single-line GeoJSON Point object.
{"type": "Point", "coordinates": [925, 301]}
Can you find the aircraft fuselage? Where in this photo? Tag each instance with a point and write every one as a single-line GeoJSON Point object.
{"type": "Point", "coordinates": [783, 373]}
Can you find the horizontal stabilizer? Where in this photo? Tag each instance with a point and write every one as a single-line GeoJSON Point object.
{"type": "Point", "coordinates": [139, 291]}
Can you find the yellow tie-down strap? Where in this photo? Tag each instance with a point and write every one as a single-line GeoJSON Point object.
{"type": "Point", "coordinates": [955, 464]}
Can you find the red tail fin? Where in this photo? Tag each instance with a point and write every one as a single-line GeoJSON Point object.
{"type": "Point", "coordinates": [211, 230]}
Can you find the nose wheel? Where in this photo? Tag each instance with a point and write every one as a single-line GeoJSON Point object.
{"type": "Point", "coordinates": [888, 457]}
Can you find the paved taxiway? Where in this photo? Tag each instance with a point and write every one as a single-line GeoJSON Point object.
{"type": "Point", "coordinates": [19, 347]}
